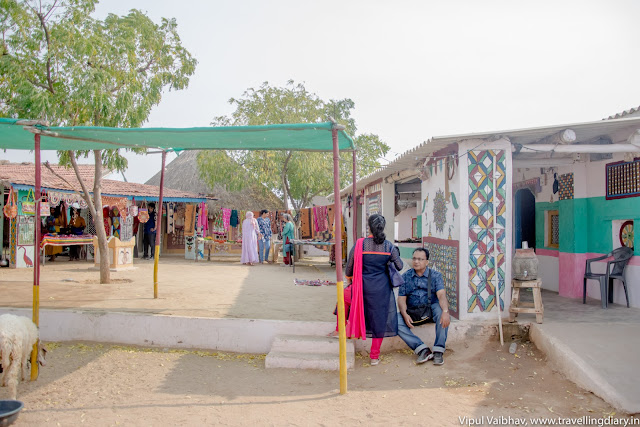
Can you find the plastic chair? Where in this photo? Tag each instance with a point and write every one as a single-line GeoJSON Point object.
{"type": "Point", "coordinates": [621, 257]}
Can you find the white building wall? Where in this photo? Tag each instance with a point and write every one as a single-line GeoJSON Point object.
{"type": "Point", "coordinates": [404, 220]}
{"type": "Point", "coordinates": [388, 208]}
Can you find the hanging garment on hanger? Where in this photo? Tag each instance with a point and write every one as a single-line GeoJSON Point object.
{"type": "Point", "coordinates": [171, 226]}
{"type": "Point", "coordinates": [189, 220]}
{"type": "Point", "coordinates": [233, 221]}
{"type": "Point", "coordinates": [226, 218]}
{"type": "Point", "coordinates": [306, 226]}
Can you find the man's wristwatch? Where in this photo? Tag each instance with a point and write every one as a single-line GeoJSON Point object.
{"type": "Point", "coordinates": [445, 311]}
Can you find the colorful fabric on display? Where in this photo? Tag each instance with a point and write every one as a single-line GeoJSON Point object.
{"type": "Point", "coordinates": [85, 239]}
{"type": "Point", "coordinates": [106, 218]}
{"type": "Point", "coordinates": [119, 202]}
{"type": "Point", "coordinates": [226, 218]}
{"type": "Point", "coordinates": [171, 227]}
{"type": "Point", "coordinates": [203, 219]}
{"type": "Point", "coordinates": [189, 220]}
{"type": "Point", "coordinates": [56, 197]}
{"type": "Point", "coordinates": [316, 282]}
{"type": "Point", "coordinates": [233, 221]}
{"type": "Point", "coordinates": [306, 224]}
{"type": "Point", "coordinates": [320, 218]}
{"type": "Point", "coordinates": [115, 221]}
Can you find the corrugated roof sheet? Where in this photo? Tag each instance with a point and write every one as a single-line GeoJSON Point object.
{"type": "Point", "coordinates": [585, 132]}
{"type": "Point", "coordinates": [24, 174]}
{"type": "Point", "coordinates": [630, 112]}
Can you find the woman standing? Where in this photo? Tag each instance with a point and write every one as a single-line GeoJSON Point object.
{"type": "Point", "coordinates": [77, 225]}
{"type": "Point", "coordinates": [373, 307]}
{"type": "Point", "coordinates": [250, 234]}
{"type": "Point", "coordinates": [287, 237]}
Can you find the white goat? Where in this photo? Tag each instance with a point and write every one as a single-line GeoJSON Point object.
{"type": "Point", "coordinates": [18, 334]}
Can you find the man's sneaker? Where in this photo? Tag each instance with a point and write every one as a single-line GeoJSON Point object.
{"type": "Point", "coordinates": [424, 355]}
{"type": "Point", "coordinates": [438, 358]}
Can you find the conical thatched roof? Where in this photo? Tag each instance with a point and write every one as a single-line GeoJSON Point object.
{"type": "Point", "coordinates": [183, 174]}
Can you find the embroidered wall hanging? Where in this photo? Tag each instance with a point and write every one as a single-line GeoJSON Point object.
{"type": "Point", "coordinates": [565, 191]}
{"type": "Point", "coordinates": [623, 179]}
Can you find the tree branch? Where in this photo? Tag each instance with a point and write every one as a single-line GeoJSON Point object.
{"type": "Point", "coordinates": [46, 164]}
{"type": "Point", "coordinates": [41, 17]}
{"type": "Point", "coordinates": [146, 67]}
{"type": "Point", "coordinates": [85, 196]}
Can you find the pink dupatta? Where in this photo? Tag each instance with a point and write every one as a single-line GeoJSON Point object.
{"type": "Point", "coordinates": [356, 327]}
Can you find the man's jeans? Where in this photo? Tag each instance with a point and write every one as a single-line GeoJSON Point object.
{"type": "Point", "coordinates": [149, 240]}
{"type": "Point", "coordinates": [263, 249]}
{"type": "Point", "coordinates": [416, 343]}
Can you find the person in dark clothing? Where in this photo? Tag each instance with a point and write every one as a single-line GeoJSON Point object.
{"type": "Point", "coordinates": [150, 233]}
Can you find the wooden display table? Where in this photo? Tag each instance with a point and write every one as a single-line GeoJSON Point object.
{"type": "Point", "coordinates": [526, 307]}
{"type": "Point", "coordinates": [120, 253]}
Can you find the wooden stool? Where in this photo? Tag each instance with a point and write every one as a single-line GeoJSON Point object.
{"type": "Point", "coordinates": [526, 307]}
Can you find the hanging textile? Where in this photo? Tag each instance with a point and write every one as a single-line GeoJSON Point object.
{"type": "Point", "coordinates": [119, 202]}
{"type": "Point", "coordinates": [233, 221]}
{"type": "Point", "coordinates": [306, 223]}
{"type": "Point", "coordinates": [171, 226]}
{"type": "Point", "coordinates": [226, 218]}
{"type": "Point", "coordinates": [189, 220]}
{"type": "Point", "coordinates": [106, 218]}
{"type": "Point", "coordinates": [56, 197]}
{"type": "Point", "coordinates": [126, 228]}
{"type": "Point", "coordinates": [203, 219]}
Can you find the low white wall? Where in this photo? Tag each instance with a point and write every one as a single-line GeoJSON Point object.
{"type": "Point", "coordinates": [631, 274]}
{"type": "Point", "coordinates": [236, 335]}
{"type": "Point", "coordinates": [548, 268]}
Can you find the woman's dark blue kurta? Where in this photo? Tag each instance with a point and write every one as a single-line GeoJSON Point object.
{"type": "Point", "coordinates": [380, 313]}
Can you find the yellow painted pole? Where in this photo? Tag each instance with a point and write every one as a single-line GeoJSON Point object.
{"type": "Point", "coordinates": [338, 253]}
{"type": "Point", "coordinates": [158, 213]}
{"type": "Point", "coordinates": [36, 261]}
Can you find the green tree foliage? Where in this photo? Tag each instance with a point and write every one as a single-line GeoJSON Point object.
{"type": "Point", "coordinates": [61, 65]}
{"type": "Point", "coordinates": [298, 175]}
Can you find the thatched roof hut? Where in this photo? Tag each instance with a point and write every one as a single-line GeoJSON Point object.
{"type": "Point", "coordinates": [183, 174]}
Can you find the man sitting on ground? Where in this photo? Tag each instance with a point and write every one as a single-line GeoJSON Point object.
{"type": "Point", "coordinates": [414, 293]}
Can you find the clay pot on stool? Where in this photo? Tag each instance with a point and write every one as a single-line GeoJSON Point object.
{"type": "Point", "coordinates": [525, 265]}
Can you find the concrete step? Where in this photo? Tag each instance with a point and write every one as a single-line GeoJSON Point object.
{"type": "Point", "coordinates": [311, 344]}
{"type": "Point", "coordinates": [293, 360]}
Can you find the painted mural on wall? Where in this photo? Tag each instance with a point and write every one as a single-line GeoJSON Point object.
{"type": "Point", "coordinates": [443, 256]}
{"type": "Point", "coordinates": [439, 211]}
{"type": "Point", "coordinates": [565, 186]}
{"type": "Point", "coordinates": [482, 234]}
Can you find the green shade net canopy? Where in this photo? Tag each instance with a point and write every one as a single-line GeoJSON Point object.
{"type": "Point", "coordinates": [298, 137]}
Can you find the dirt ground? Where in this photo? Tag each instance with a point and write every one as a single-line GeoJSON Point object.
{"type": "Point", "coordinates": [206, 289]}
{"type": "Point", "coordinates": [107, 385]}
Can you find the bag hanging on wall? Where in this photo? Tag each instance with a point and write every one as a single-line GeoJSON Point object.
{"type": "Point", "coordinates": [421, 314]}
{"type": "Point", "coordinates": [45, 207]}
{"type": "Point", "coordinates": [29, 204]}
{"type": "Point", "coordinates": [143, 213]}
{"type": "Point", "coordinates": [133, 209]}
{"type": "Point", "coordinates": [11, 208]}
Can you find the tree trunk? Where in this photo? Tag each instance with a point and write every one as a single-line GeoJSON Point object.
{"type": "Point", "coordinates": [285, 184]}
{"type": "Point", "coordinates": [105, 273]}
{"type": "Point", "coordinates": [95, 207]}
